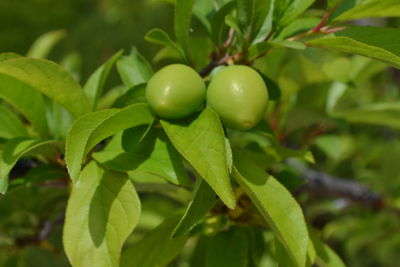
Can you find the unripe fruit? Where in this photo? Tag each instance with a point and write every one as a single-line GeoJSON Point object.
{"type": "Point", "coordinates": [175, 91]}
{"type": "Point", "coordinates": [239, 95]}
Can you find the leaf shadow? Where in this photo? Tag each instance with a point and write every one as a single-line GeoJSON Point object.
{"type": "Point", "coordinates": [100, 206]}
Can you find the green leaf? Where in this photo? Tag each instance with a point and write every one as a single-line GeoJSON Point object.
{"type": "Point", "coordinates": [201, 142]}
{"type": "Point", "coordinates": [134, 69]}
{"type": "Point", "coordinates": [386, 114]}
{"type": "Point", "coordinates": [298, 26]}
{"type": "Point", "coordinates": [102, 211]}
{"type": "Point", "coordinates": [40, 174]}
{"type": "Point", "coordinates": [263, 20]}
{"type": "Point", "coordinates": [202, 10]}
{"type": "Point", "coordinates": [95, 84]}
{"type": "Point", "coordinates": [277, 206]}
{"type": "Point", "coordinates": [134, 95]}
{"type": "Point", "coordinates": [160, 37]}
{"type": "Point", "coordinates": [228, 249]}
{"type": "Point", "coordinates": [11, 125]}
{"type": "Point", "coordinates": [219, 29]}
{"type": "Point", "coordinates": [156, 248]}
{"type": "Point", "coordinates": [44, 44]}
{"type": "Point", "coordinates": [293, 10]}
{"type": "Point", "coordinates": [154, 155]}
{"type": "Point", "coordinates": [285, 260]}
{"type": "Point", "coordinates": [203, 200]}
{"type": "Point", "coordinates": [370, 9]}
{"type": "Point", "coordinates": [325, 256]}
{"type": "Point", "coordinates": [59, 120]}
{"type": "Point", "coordinates": [378, 43]}
{"type": "Point", "coordinates": [8, 56]}
{"type": "Point", "coordinates": [245, 13]}
{"type": "Point", "coordinates": [26, 100]}
{"type": "Point", "coordinates": [18, 147]}
{"type": "Point", "coordinates": [288, 44]}
{"type": "Point", "coordinates": [182, 16]}
{"type": "Point", "coordinates": [49, 79]}
{"type": "Point", "coordinates": [92, 128]}
{"type": "Point", "coordinates": [133, 136]}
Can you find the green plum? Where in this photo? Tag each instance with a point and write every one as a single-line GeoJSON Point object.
{"type": "Point", "coordinates": [239, 95]}
{"type": "Point", "coordinates": [175, 91]}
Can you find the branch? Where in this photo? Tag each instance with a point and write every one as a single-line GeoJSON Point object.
{"type": "Point", "coordinates": [48, 227]}
{"type": "Point", "coordinates": [322, 184]}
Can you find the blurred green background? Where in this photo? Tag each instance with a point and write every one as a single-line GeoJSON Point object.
{"type": "Point", "coordinates": [96, 29]}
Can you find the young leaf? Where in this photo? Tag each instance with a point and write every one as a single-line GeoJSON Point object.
{"type": "Point", "coordinates": [378, 43]}
{"type": "Point", "coordinates": [160, 37]}
{"type": "Point", "coordinates": [15, 148]}
{"type": "Point", "coordinates": [154, 154]}
{"type": "Point", "coordinates": [182, 16]}
{"type": "Point", "coordinates": [92, 128]}
{"type": "Point", "coordinates": [134, 69]}
{"type": "Point", "coordinates": [11, 125]}
{"type": "Point", "coordinates": [369, 9]}
{"type": "Point", "coordinates": [45, 43]}
{"type": "Point", "coordinates": [202, 144]}
{"type": "Point", "coordinates": [47, 78]}
{"type": "Point", "coordinates": [156, 248]}
{"type": "Point", "coordinates": [102, 211]}
{"type": "Point", "coordinates": [95, 84]}
{"type": "Point", "coordinates": [277, 206]}
{"type": "Point", "coordinates": [203, 200]}
{"type": "Point", "coordinates": [228, 249]}
{"type": "Point", "coordinates": [292, 11]}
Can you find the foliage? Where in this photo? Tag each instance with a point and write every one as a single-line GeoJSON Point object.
{"type": "Point", "coordinates": [140, 190]}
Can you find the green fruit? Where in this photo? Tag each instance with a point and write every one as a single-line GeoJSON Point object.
{"type": "Point", "coordinates": [175, 91]}
{"type": "Point", "coordinates": [239, 95]}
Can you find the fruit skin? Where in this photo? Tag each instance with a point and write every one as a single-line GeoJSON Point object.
{"type": "Point", "coordinates": [239, 95]}
{"type": "Point", "coordinates": [175, 91]}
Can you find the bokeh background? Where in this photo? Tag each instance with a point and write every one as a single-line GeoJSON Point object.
{"type": "Point", "coordinates": [93, 30]}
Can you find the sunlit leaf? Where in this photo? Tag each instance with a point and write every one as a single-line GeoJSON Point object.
{"type": "Point", "coordinates": [378, 43]}
{"type": "Point", "coordinates": [369, 9]}
{"type": "Point", "coordinates": [201, 142]}
{"type": "Point", "coordinates": [134, 69]}
{"type": "Point", "coordinates": [92, 128]}
{"type": "Point", "coordinates": [102, 211]}
{"type": "Point", "coordinates": [277, 206]}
